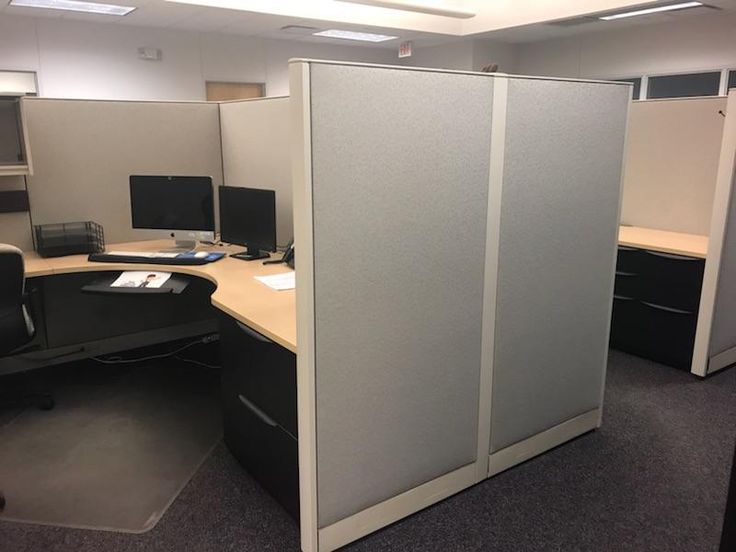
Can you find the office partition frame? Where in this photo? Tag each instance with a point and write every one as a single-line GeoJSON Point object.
{"type": "Point", "coordinates": [337, 530]}
{"type": "Point", "coordinates": [717, 291]}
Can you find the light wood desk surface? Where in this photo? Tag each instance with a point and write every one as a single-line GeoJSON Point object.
{"type": "Point", "coordinates": [691, 245]}
{"type": "Point", "coordinates": [269, 312]}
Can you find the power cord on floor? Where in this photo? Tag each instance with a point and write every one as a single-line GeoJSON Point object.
{"type": "Point", "coordinates": [197, 363]}
{"type": "Point", "coordinates": [119, 360]}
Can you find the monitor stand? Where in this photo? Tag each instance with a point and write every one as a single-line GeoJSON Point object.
{"type": "Point", "coordinates": [181, 246]}
{"type": "Point", "coordinates": [251, 254]}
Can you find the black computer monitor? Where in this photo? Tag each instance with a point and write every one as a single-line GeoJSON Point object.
{"type": "Point", "coordinates": [248, 217]}
{"type": "Point", "coordinates": [183, 206]}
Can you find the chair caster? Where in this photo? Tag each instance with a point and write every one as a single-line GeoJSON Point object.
{"type": "Point", "coordinates": [46, 403]}
{"type": "Point", "coordinates": [2, 501]}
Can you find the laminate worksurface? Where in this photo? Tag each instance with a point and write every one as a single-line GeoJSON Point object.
{"type": "Point", "coordinates": [269, 312]}
{"type": "Point", "coordinates": [690, 245]}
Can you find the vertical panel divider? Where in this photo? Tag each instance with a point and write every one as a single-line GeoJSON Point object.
{"type": "Point", "coordinates": [716, 239]}
{"type": "Point", "coordinates": [493, 231]}
{"type": "Point", "coordinates": [303, 240]}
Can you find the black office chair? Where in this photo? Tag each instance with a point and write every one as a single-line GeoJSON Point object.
{"type": "Point", "coordinates": [16, 326]}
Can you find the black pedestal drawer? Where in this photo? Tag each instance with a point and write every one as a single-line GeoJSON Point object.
{"type": "Point", "coordinates": [655, 306]}
{"type": "Point", "coordinates": [259, 401]}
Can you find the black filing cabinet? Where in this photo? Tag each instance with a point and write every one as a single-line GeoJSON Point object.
{"type": "Point", "coordinates": [655, 305]}
{"type": "Point", "coordinates": [259, 401]}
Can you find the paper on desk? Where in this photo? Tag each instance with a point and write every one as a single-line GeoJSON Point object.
{"type": "Point", "coordinates": [280, 282]}
{"type": "Point", "coordinates": [141, 279]}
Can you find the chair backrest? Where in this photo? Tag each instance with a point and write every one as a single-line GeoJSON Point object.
{"type": "Point", "coordinates": [12, 277]}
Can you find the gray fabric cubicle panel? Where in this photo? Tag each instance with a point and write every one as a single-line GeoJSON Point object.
{"type": "Point", "coordinates": [723, 330]}
{"type": "Point", "coordinates": [559, 222]}
{"type": "Point", "coordinates": [256, 153]}
{"type": "Point", "coordinates": [400, 182]}
{"type": "Point", "coordinates": [85, 150]}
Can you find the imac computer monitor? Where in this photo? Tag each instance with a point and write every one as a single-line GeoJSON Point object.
{"type": "Point", "coordinates": [248, 217]}
{"type": "Point", "coordinates": [182, 206]}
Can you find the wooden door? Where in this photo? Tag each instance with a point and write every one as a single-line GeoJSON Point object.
{"type": "Point", "coordinates": [223, 91]}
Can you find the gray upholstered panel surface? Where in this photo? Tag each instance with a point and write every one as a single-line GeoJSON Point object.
{"type": "Point", "coordinates": [560, 199]}
{"type": "Point", "coordinates": [400, 182]}
{"type": "Point", "coordinates": [84, 151]}
{"type": "Point", "coordinates": [723, 332]}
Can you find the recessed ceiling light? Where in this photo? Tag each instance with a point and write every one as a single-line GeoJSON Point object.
{"type": "Point", "coordinates": [419, 7]}
{"type": "Point", "coordinates": [74, 5]}
{"type": "Point", "coordinates": [352, 35]}
{"type": "Point", "coordinates": [647, 11]}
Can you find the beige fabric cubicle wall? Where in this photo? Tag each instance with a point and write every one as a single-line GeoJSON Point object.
{"type": "Point", "coordinates": [84, 151]}
{"type": "Point", "coordinates": [451, 321]}
{"type": "Point", "coordinates": [256, 152]}
{"type": "Point", "coordinates": [671, 163]}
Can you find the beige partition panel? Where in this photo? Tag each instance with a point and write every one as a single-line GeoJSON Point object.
{"type": "Point", "coordinates": [671, 163]}
{"type": "Point", "coordinates": [715, 339]}
{"type": "Point", "coordinates": [256, 152]}
{"type": "Point", "coordinates": [84, 151]}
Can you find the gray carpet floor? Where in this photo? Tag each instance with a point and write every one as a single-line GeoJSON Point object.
{"type": "Point", "coordinates": [653, 478]}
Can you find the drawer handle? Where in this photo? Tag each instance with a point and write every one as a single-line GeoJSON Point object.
{"type": "Point", "coordinates": [265, 418]}
{"type": "Point", "coordinates": [623, 298]}
{"type": "Point", "coordinates": [252, 333]}
{"type": "Point", "coordinates": [621, 273]}
{"type": "Point", "coordinates": [666, 309]}
{"type": "Point", "coordinates": [671, 256]}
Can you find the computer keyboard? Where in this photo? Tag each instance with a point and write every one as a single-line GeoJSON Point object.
{"type": "Point", "coordinates": [156, 257]}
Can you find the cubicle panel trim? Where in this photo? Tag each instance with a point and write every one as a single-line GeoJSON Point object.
{"type": "Point", "coordinates": [299, 75]}
{"type": "Point", "coordinates": [541, 442]}
{"type": "Point", "coordinates": [718, 227]}
{"type": "Point", "coordinates": [384, 513]}
{"type": "Point", "coordinates": [493, 237]}
{"type": "Point", "coordinates": [453, 71]}
{"type": "Point", "coordinates": [246, 100]}
{"type": "Point", "coordinates": [614, 259]}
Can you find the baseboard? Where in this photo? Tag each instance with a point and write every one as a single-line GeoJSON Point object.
{"type": "Point", "coordinates": [541, 442]}
{"type": "Point", "coordinates": [722, 360]}
{"type": "Point", "coordinates": [371, 519]}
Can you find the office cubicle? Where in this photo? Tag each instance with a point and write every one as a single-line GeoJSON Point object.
{"type": "Point", "coordinates": [451, 321]}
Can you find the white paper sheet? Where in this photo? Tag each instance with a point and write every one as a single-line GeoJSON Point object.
{"type": "Point", "coordinates": [141, 279]}
{"type": "Point", "coordinates": [280, 282]}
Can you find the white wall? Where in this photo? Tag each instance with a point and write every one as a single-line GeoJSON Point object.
{"type": "Point", "coordinates": [465, 55]}
{"type": "Point", "coordinates": [89, 60]}
{"type": "Point", "coordinates": [682, 45]}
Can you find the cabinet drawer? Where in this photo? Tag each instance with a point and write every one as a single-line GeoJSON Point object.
{"type": "Point", "coordinates": [627, 284]}
{"type": "Point", "coordinates": [629, 259]}
{"type": "Point", "coordinates": [265, 450]}
{"type": "Point", "coordinates": [680, 269]}
{"type": "Point", "coordinates": [260, 370]}
{"type": "Point", "coordinates": [669, 334]}
{"type": "Point", "coordinates": [626, 329]}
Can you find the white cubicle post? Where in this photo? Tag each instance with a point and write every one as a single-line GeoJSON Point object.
{"type": "Point", "coordinates": [715, 340]}
{"type": "Point", "coordinates": [456, 237]}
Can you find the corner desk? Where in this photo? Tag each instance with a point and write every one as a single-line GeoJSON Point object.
{"type": "Point", "coordinates": [257, 327]}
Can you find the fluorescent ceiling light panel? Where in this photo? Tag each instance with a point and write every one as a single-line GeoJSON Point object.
{"type": "Point", "coordinates": [647, 11]}
{"type": "Point", "coordinates": [434, 8]}
{"type": "Point", "coordinates": [75, 6]}
{"type": "Point", "coordinates": [352, 35]}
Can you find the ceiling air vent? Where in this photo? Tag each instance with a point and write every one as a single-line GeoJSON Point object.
{"type": "Point", "coordinates": [299, 29]}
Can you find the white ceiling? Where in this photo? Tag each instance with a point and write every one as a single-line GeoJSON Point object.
{"type": "Point", "coordinates": [510, 21]}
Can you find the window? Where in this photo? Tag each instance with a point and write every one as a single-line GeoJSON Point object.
{"type": "Point", "coordinates": [637, 86]}
{"type": "Point", "coordinates": [731, 79]}
{"type": "Point", "coordinates": [683, 86]}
